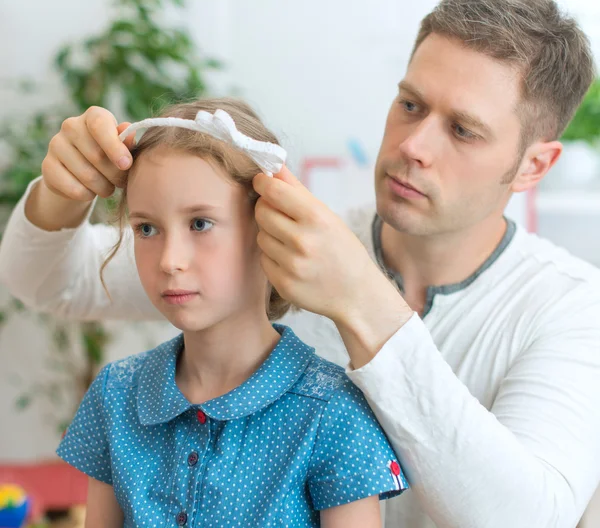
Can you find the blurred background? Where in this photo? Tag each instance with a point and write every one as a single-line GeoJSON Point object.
{"type": "Point", "coordinates": [321, 73]}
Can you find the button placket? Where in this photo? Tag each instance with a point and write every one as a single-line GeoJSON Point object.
{"type": "Point", "coordinates": [199, 513]}
{"type": "Point", "coordinates": [195, 439]}
{"type": "Point", "coordinates": [199, 446]}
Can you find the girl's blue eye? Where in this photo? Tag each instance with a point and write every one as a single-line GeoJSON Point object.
{"type": "Point", "coordinates": [199, 224]}
{"type": "Point", "coordinates": [146, 230]}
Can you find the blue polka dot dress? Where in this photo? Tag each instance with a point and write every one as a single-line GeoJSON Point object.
{"type": "Point", "coordinates": [295, 438]}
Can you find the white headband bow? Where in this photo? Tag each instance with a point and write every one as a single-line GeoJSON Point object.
{"type": "Point", "coordinates": [268, 156]}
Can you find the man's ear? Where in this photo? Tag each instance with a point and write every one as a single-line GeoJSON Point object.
{"type": "Point", "coordinates": [537, 161]}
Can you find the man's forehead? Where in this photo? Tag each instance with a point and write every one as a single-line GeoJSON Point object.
{"type": "Point", "coordinates": [462, 81]}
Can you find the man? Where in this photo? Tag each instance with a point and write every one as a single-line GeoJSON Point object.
{"type": "Point", "coordinates": [484, 369]}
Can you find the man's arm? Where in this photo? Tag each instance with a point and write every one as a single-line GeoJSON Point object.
{"type": "Point", "coordinates": [532, 460]}
{"type": "Point", "coordinates": [50, 256]}
{"type": "Point", "coordinates": [59, 271]}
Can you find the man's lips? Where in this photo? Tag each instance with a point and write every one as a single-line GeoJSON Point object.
{"type": "Point", "coordinates": [403, 188]}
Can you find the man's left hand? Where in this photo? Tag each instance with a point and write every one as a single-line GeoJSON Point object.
{"type": "Point", "coordinates": [313, 259]}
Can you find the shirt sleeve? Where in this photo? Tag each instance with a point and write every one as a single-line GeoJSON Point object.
{"type": "Point", "coordinates": [85, 444]}
{"type": "Point", "coordinates": [59, 271]}
{"type": "Point", "coordinates": [530, 460]}
{"type": "Point", "coordinates": [352, 458]}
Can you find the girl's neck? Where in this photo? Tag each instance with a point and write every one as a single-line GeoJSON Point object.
{"type": "Point", "coordinates": [222, 357]}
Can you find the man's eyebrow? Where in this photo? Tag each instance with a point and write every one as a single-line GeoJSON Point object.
{"type": "Point", "coordinates": [407, 87]}
{"type": "Point", "coordinates": [471, 121]}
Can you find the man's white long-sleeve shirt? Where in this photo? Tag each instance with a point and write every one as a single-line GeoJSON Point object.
{"type": "Point", "coordinates": [492, 400]}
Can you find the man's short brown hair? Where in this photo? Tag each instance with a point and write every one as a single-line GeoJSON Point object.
{"type": "Point", "coordinates": [547, 46]}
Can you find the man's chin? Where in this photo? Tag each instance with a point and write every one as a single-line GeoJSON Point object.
{"type": "Point", "coordinates": [404, 219]}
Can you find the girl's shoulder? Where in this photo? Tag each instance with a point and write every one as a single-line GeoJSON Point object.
{"type": "Point", "coordinates": [125, 373]}
{"type": "Point", "coordinates": [323, 380]}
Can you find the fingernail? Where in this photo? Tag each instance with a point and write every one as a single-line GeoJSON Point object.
{"type": "Point", "coordinates": [123, 163]}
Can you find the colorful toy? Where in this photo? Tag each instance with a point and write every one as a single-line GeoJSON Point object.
{"type": "Point", "coordinates": [14, 505]}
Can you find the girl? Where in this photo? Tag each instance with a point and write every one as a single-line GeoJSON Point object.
{"type": "Point", "coordinates": [235, 422]}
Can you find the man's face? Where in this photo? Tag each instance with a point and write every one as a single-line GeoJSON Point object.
{"type": "Point", "coordinates": [451, 141]}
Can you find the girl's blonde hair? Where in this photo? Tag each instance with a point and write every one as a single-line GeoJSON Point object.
{"type": "Point", "coordinates": [239, 167]}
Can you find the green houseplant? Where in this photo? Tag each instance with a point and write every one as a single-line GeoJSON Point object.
{"type": "Point", "coordinates": [133, 68]}
{"type": "Point", "coordinates": [585, 124]}
{"type": "Point", "coordinates": [578, 168]}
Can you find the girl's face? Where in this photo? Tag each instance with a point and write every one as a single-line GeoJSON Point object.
{"type": "Point", "coordinates": [195, 240]}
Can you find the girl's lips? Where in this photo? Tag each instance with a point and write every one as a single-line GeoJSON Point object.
{"type": "Point", "coordinates": [178, 296]}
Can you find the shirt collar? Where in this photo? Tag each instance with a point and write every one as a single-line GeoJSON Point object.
{"type": "Point", "coordinates": [275, 377]}
{"type": "Point", "coordinates": [445, 289]}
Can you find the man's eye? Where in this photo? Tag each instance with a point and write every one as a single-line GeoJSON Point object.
{"type": "Point", "coordinates": [463, 133]}
{"type": "Point", "coordinates": [409, 106]}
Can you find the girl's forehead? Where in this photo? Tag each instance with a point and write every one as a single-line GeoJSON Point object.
{"type": "Point", "coordinates": [171, 169]}
{"type": "Point", "coordinates": [175, 182]}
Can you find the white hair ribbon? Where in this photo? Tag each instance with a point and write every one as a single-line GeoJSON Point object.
{"type": "Point", "coordinates": [268, 156]}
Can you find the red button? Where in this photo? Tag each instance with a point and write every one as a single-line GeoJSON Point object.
{"type": "Point", "coordinates": [193, 458]}
{"type": "Point", "coordinates": [395, 468]}
{"type": "Point", "coordinates": [201, 417]}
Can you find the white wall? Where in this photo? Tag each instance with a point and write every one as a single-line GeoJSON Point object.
{"type": "Point", "coordinates": [323, 71]}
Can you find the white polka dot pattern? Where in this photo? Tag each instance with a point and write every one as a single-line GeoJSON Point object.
{"type": "Point", "coordinates": [295, 438]}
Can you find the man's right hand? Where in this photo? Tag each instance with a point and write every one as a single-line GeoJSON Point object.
{"type": "Point", "coordinates": [86, 158]}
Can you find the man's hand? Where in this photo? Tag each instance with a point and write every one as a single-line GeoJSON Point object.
{"type": "Point", "coordinates": [314, 261]}
{"type": "Point", "coordinates": [309, 255]}
{"type": "Point", "coordinates": [86, 158]}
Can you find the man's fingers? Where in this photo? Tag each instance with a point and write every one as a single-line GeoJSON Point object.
{"type": "Point", "coordinates": [273, 272]}
{"type": "Point", "coordinates": [277, 224]}
{"type": "Point", "coordinates": [102, 125]}
{"type": "Point", "coordinates": [272, 247]}
{"type": "Point", "coordinates": [77, 164]}
{"type": "Point", "coordinates": [293, 200]}
{"type": "Point", "coordinates": [286, 175]}
{"type": "Point", "coordinates": [81, 158]}
{"type": "Point", "coordinates": [71, 187]}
